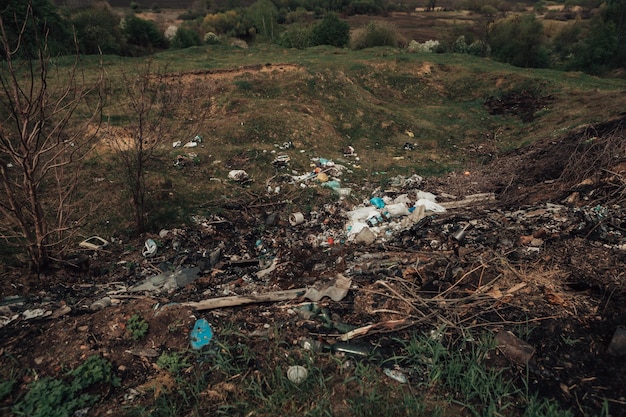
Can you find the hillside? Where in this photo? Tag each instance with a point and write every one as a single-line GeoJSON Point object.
{"type": "Point", "coordinates": [530, 166]}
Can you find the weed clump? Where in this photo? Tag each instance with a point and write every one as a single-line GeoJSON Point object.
{"type": "Point", "coordinates": [136, 327]}
{"type": "Point", "coordinates": [51, 397]}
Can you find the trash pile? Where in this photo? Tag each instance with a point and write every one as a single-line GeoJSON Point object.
{"type": "Point", "coordinates": [273, 256]}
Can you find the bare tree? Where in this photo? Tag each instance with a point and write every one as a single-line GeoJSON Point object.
{"type": "Point", "coordinates": [41, 142]}
{"type": "Point", "coordinates": [158, 106]}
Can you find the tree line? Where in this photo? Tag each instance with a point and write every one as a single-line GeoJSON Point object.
{"type": "Point", "coordinates": [591, 37]}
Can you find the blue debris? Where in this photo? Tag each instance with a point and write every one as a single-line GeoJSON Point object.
{"type": "Point", "coordinates": [201, 334]}
{"type": "Point", "coordinates": [377, 202]}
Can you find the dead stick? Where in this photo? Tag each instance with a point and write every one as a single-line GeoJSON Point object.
{"type": "Point", "coordinates": [442, 294]}
{"type": "Point", "coordinates": [238, 300]}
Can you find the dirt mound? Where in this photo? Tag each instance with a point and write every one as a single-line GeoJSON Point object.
{"type": "Point", "coordinates": [589, 160]}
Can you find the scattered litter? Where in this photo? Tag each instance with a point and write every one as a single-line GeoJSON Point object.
{"type": "Point", "coordinates": [94, 243]}
{"type": "Point", "coordinates": [365, 235]}
{"type": "Point", "coordinates": [281, 161]}
{"type": "Point", "coordinates": [191, 144]}
{"type": "Point", "coordinates": [335, 292]}
{"type": "Point", "coordinates": [168, 281]}
{"type": "Point", "coordinates": [183, 160]}
{"type": "Point", "coordinates": [388, 325]}
{"type": "Point", "coordinates": [201, 334]}
{"type": "Point", "coordinates": [396, 375]}
{"type": "Point", "coordinates": [343, 191]}
{"type": "Point", "coordinates": [150, 248]}
{"type": "Point", "coordinates": [354, 349]}
{"type": "Point", "coordinates": [7, 318]}
{"type": "Point", "coordinates": [297, 374]}
{"type": "Point", "coordinates": [296, 218]}
{"type": "Point", "coordinates": [265, 272]}
{"type": "Point", "coordinates": [83, 412]}
{"type": "Point", "coordinates": [60, 312]}
{"type": "Point", "coordinates": [36, 313]}
{"type": "Point", "coordinates": [285, 145]}
{"type": "Point", "coordinates": [470, 200]}
{"type": "Point", "coordinates": [430, 205]}
{"type": "Point", "coordinates": [377, 202]}
{"type": "Point", "coordinates": [238, 175]}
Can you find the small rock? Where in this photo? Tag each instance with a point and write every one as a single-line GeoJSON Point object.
{"type": "Point", "coordinates": [514, 348]}
{"type": "Point", "coordinates": [617, 347]}
{"type": "Point", "coordinates": [100, 304]}
{"type": "Point", "coordinates": [365, 236]}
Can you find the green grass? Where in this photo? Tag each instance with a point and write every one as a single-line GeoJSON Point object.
{"type": "Point", "coordinates": [444, 376]}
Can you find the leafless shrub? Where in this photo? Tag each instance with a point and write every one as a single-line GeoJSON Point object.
{"type": "Point", "coordinates": [42, 145]}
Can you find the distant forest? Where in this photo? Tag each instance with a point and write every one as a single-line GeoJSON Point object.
{"type": "Point", "coordinates": [582, 35]}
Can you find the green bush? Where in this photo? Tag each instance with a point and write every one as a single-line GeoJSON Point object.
{"type": "Point", "coordinates": [596, 52]}
{"type": "Point", "coordinates": [6, 386]}
{"type": "Point", "coordinates": [42, 17]}
{"type": "Point", "coordinates": [519, 41]}
{"type": "Point", "coordinates": [296, 36]}
{"type": "Point", "coordinates": [264, 17]}
{"type": "Point", "coordinates": [460, 45]}
{"type": "Point", "coordinates": [191, 15]}
{"type": "Point", "coordinates": [231, 23]}
{"type": "Point", "coordinates": [211, 38]}
{"type": "Point", "coordinates": [615, 12]}
{"type": "Point", "coordinates": [331, 31]}
{"type": "Point", "coordinates": [479, 48]}
{"type": "Point", "coordinates": [364, 7]}
{"type": "Point", "coordinates": [98, 30]}
{"type": "Point", "coordinates": [377, 33]}
{"type": "Point", "coordinates": [186, 38]}
{"type": "Point", "coordinates": [173, 362]}
{"type": "Point", "coordinates": [143, 33]}
{"type": "Point", "coordinates": [300, 15]}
